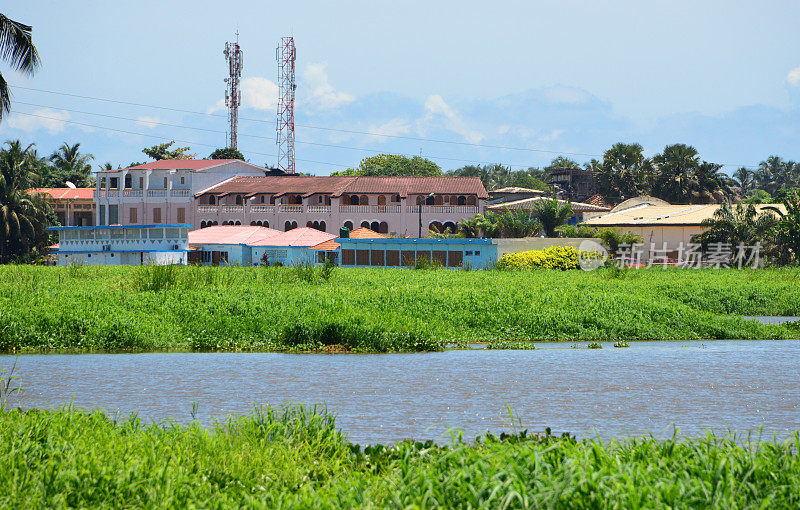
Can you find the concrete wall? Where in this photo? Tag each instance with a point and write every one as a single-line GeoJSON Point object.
{"type": "Point", "coordinates": [122, 258]}
{"type": "Point", "coordinates": [505, 246]}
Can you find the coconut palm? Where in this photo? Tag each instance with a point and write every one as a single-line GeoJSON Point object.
{"type": "Point", "coordinates": [17, 49]}
{"type": "Point", "coordinates": [22, 217]}
{"type": "Point", "coordinates": [70, 165]}
{"type": "Point", "coordinates": [737, 225]}
{"type": "Point", "coordinates": [787, 231]}
{"type": "Point", "coordinates": [676, 171]}
{"type": "Point", "coordinates": [744, 180]}
{"type": "Point", "coordinates": [551, 214]}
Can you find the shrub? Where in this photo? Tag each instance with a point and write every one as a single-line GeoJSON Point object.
{"type": "Point", "coordinates": [554, 257]}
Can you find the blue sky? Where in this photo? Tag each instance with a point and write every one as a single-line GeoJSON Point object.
{"type": "Point", "coordinates": [509, 82]}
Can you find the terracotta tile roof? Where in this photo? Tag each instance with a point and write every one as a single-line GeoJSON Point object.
{"type": "Point", "coordinates": [338, 186]}
{"type": "Point", "coordinates": [659, 215]}
{"type": "Point", "coordinates": [281, 185]}
{"type": "Point", "coordinates": [231, 234]}
{"type": "Point", "coordinates": [181, 164]}
{"type": "Point", "coordinates": [304, 236]}
{"type": "Point", "coordinates": [527, 203]}
{"type": "Point", "coordinates": [65, 193]}
{"type": "Point", "coordinates": [359, 233]}
{"type": "Point", "coordinates": [598, 200]}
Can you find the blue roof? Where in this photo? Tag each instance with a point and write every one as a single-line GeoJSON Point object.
{"type": "Point", "coordinates": [114, 227]}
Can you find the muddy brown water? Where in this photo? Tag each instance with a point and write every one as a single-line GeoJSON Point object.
{"type": "Point", "coordinates": [646, 388]}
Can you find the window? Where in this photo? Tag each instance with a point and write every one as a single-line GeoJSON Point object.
{"type": "Point", "coordinates": [141, 182]}
{"type": "Point", "coordinates": [238, 199]}
{"type": "Point", "coordinates": [377, 257]}
{"type": "Point", "coordinates": [362, 257]}
{"type": "Point", "coordinates": [354, 200]}
{"type": "Point", "coordinates": [322, 226]}
{"type": "Point", "coordinates": [455, 259]}
{"type": "Point", "coordinates": [477, 253]}
{"type": "Point", "coordinates": [114, 183]}
{"type": "Point", "coordinates": [165, 183]}
{"type": "Point", "coordinates": [211, 200]}
{"type": "Point", "coordinates": [155, 233]}
{"type": "Point", "coordinates": [262, 199]}
{"type": "Point", "coordinates": [181, 215]}
{"type": "Point", "coordinates": [128, 180]}
{"type": "Point", "coordinates": [156, 215]}
{"type": "Point", "coordinates": [133, 215]}
{"type": "Point", "coordinates": [440, 257]}
{"type": "Point", "coordinates": [407, 258]}
{"type": "Point", "coordinates": [348, 225]}
{"type": "Point", "coordinates": [468, 254]}
{"type": "Point", "coordinates": [364, 224]}
{"type": "Point", "coordinates": [183, 180]}
{"type": "Point", "coordinates": [430, 200]}
{"type": "Point", "coordinates": [113, 214]}
{"type": "Point", "coordinates": [348, 257]}
{"type": "Point", "coordinates": [392, 258]}
{"type": "Point", "coordinates": [102, 214]}
{"type": "Point", "coordinates": [462, 200]}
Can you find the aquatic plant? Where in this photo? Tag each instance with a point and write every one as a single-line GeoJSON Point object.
{"type": "Point", "coordinates": [296, 457]}
{"type": "Point", "coordinates": [509, 345]}
{"type": "Point", "coordinates": [621, 343]}
{"type": "Point", "coordinates": [594, 345]}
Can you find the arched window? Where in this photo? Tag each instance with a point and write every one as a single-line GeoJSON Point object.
{"type": "Point", "coordinates": [309, 224]}
{"type": "Point", "coordinates": [238, 199]}
{"type": "Point", "coordinates": [294, 224]}
{"type": "Point", "coordinates": [345, 200]}
{"type": "Point", "coordinates": [224, 223]}
{"type": "Point", "coordinates": [348, 225]}
{"type": "Point", "coordinates": [216, 222]}
{"type": "Point", "coordinates": [203, 224]}
{"type": "Point", "coordinates": [472, 200]}
{"type": "Point", "coordinates": [315, 225]}
{"type": "Point", "coordinates": [287, 226]}
{"type": "Point", "coordinates": [383, 228]}
{"type": "Point", "coordinates": [365, 224]}
{"type": "Point", "coordinates": [438, 200]}
{"type": "Point", "coordinates": [262, 199]}
{"type": "Point", "coordinates": [272, 200]}
{"type": "Point", "coordinates": [381, 200]}
{"type": "Point", "coordinates": [353, 199]}
{"type": "Point", "coordinates": [363, 200]}
{"type": "Point", "coordinates": [430, 200]}
{"type": "Point", "coordinates": [265, 224]}
{"type": "Point", "coordinates": [450, 227]}
{"type": "Point", "coordinates": [165, 183]}
{"type": "Point", "coordinates": [435, 226]}
{"type": "Point", "coordinates": [375, 226]}
{"type": "Point", "coordinates": [462, 200]}
{"type": "Point", "coordinates": [322, 226]}
{"type": "Point", "coordinates": [253, 223]}
{"type": "Point", "coordinates": [212, 200]}
{"type": "Point", "coordinates": [128, 180]}
{"type": "Point", "coordinates": [238, 222]}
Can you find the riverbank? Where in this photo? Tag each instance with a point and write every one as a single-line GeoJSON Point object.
{"type": "Point", "coordinates": [298, 457]}
{"type": "Point", "coordinates": [93, 309]}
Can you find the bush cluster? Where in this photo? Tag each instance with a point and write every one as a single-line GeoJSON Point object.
{"type": "Point", "coordinates": [554, 257]}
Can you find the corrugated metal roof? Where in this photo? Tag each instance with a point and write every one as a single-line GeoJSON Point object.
{"type": "Point", "coordinates": [65, 193]}
{"type": "Point", "coordinates": [303, 236]}
{"type": "Point", "coordinates": [231, 234]}
{"type": "Point", "coordinates": [660, 215]}
{"type": "Point", "coordinates": [338, 186]}
{"type": "Point", "coordinates": [527, 203]}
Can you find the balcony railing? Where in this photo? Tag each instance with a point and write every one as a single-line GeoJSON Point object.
{"type": "Point", "coordinates": [262, 209]}
{"type": "Point", "coordinates": [131, 192]}
{"type": "Point", "coordinates": [290, 208]}
{"type": "Point", "coordinates": [179, 193]}
{"type": "Point", "coordinates": [382, 209]}
{"type": "Point", "coordinates": [112, 193]}
{"type": "Point", "coordinates": [207, 208]}
{"type": "Point", "coordinates": [444, 209]}
{"type": "Point", "coordinates": [233, 208]}
{"type": "Point", "coordinates": [156, 193]}
{"type": "Point", "coordinates": [319, 208]}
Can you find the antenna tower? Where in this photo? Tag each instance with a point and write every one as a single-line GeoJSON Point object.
{"type": "Point", "coordinates": [233, 96]}
{"type": "Point", "coordinates": [286, 56]}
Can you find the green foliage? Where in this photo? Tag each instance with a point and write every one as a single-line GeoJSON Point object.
{"type": "Point", "coordinates": [226, 153]}
{"type": "Point", "coordinates": [621, 344]}
{"type": "Point", "coordinates": [510, 345]}
{"type": "Point", "coordinates": [392, 165]}
{"type": "Point", "coordinates": [551, 215]}
{"type": "Point", "coordinates": [737, 225]}
{"type": "Point", "coordinates": [18, 51]}
{"type": "Point", "coordinates": [498, 176]}
{"type": "Point", "coordinates": [614, 237]}
{"type": "Point", "coordinates": [508, 223]}
{"type": "Point", "coordinates": [594, 345]}
{"type": "Point", "coordinates": [68, 164]}
{"type": "Point", "coordinates": [624, 172]}
{"type": "Point", "coordinates": [94, 308]}
{"type": "Point", "coordinates": [554, 257]}
{"type": "Point", "coordinates": [787, 231]}
{"type": "Point", "coordinates": [295, 457]}
{"type": "Point", "coordinates": [577, 231]}
{"type": "Point", "coordinates": [162, 151]}
{"type": "Point", "coordinates": [758, 196]}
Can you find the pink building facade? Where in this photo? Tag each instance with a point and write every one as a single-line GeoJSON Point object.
{"type": "Point", "coordinates": [232, 192]}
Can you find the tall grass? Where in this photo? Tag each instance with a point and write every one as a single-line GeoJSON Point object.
{"type": "Point", "coordinates": [296, 457]}
{"type": "Point", "coordinates": [90, 308]}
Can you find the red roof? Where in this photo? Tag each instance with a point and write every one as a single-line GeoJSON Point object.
{"type": "Point", "coordinates": [359, 233]}
{"type": "Point", "coordinates": [338, 186]}
{"type": "Point", "coordinates": [304, 236]}
{"type": "Point", "coordinates": [231, 234]}
{"type": "Point", "coordinates": [65, 193]}
{"type": "Point", "coordinates": [178, 164]}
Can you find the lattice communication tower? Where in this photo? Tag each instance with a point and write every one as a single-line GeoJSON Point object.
{"type": "Point", "coordinates": [233, 96]}
{"type": "Point", "coordinates": [286, 56]}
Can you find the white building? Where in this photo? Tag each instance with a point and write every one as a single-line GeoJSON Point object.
{"type": "Point", "coordinates": [111, 245]}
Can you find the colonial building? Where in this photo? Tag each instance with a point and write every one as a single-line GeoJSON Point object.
{"type": "Point", "coordinates": [74, 207]}
{"type": "Point", "coordinates": [405, 206]}
{"type": "Point", "coordinates": [162, 191]}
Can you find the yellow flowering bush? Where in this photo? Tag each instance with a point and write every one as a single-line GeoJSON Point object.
{"type": "Point", "coordinates": [554, 257]}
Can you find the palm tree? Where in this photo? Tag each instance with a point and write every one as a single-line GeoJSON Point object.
{"type": "Point", "coordinates": [768, 175]}
{"type": "Point", "coordinates": [787, 231]}
{"type": "Point", "coordinates": [744, 180]}
{"type": "Point", "coordinates": [740, 225]}
{"type": "Point", "coordinates": [71, 165]}
{"type": "Point", "coordinates": [22, 218]}
{"type": "Point", "coordinates": [16, 48]}
{"type": "Point", "coordinates": [676, 171]}
{"type": "Point", "coordinates": [710, 186]}
{"type": "Point", "coordinates": [551, 214]}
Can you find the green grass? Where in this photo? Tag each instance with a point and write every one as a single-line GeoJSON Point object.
{"type": "Point", "coordinates": [91, 308]}
{"type": "Point", "coordinates": [297, 458]}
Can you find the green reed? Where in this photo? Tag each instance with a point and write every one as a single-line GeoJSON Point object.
{"type": "Point", "coordinates": [296, 457]}
{"type": "Point", "coordinates": [90, 308]}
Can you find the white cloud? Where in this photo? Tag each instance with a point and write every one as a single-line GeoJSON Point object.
{"type": "Point", "coordinates": [320, 94]}
{"type": "Point", "coordinates": [552, 136]}
{"type": "Point", "coordinates": [436, 107]}
{"type": "Point", "coordinates": [148, 122]}
{"type": "Point", "coordinates": [794, 77]}
{"type": "Point", "coordinates": [43, 118]}
{"type": "Point", "coordinates": [393, 127]}
{"type": "Point", "coordinates": [258, 93]}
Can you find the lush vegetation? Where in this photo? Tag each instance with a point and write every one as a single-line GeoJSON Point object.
{"type": "Point", "coordinates": [295, 457]}
{"type": "Point", "coordinates": [554, 257]}
{"type": "Point", "coordinates": [93, 308]}
{"type": "Point", "coordinates": [18, 51]}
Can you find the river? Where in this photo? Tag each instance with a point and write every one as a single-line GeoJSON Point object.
{"type": "Point", "coordinates": [646, 388]}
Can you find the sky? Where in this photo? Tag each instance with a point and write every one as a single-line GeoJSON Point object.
{"type": "Point", "coordinates": [461, 82]}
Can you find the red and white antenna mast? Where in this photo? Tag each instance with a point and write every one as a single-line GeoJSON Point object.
{"type": "Point", "coordinates": [286, 55]}
{"type": "Point", "coordinates": [233, 96]}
